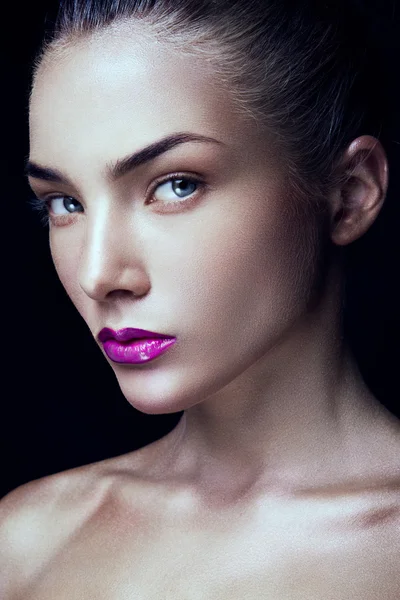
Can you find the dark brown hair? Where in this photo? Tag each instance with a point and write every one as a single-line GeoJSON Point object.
{"type": "Point", "coordinates": [307, 70]}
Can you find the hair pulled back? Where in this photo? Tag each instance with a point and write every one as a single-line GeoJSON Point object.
{"type": "Point", "coordinates": [306, 70]}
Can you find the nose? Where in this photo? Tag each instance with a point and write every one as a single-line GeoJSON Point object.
{"type": "Point", "coordinates": [111, 262]}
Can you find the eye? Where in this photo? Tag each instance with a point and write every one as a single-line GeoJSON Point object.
{"type": "Point", "coordinates": [178, 187]}
{"type": "Point", "coordinates": [53, 215]}
{"type": "Point", "coordinates": [65, 202]}
{"type": "Point", "coordinates": [174, 190]}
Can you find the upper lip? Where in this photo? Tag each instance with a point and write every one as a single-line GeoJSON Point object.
{"type": "Point", "coordinates": [129, 333]}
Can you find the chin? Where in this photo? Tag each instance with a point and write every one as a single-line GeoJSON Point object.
{"type": "Point", "coordinates": [157, 395]}
{"type": "Point", "coordinates": [155, 408]}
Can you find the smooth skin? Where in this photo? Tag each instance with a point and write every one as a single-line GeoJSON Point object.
{"type": "Point", "coordinates": [281, 480]}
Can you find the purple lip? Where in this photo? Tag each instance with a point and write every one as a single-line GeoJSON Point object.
{"type": "Point", "coordinates": [129, 333]}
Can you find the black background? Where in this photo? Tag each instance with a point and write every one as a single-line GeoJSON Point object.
{"type": "Point", "coordinates": [61, 405]}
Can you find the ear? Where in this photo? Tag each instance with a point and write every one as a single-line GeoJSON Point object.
{"type": "Point", "coordinates": [357, 202]}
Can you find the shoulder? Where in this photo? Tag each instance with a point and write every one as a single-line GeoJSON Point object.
{"type": "Point", "coordinates": [37, 518]}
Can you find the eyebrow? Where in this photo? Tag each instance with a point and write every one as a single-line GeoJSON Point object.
{"type": "Point", "coordinates": [124, 165]}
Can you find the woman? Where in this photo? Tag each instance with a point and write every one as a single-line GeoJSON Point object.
{"type": "Point", "coordinates": [204, 166]}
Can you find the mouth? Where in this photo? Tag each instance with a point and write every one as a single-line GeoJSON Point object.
{"type": "Point", "coordinates": [129, 334]}
{"type": "Point", "coordinates": [134, 346]}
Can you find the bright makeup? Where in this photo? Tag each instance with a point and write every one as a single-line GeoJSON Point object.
{"type": "Point", "coordinates": [134, 346]}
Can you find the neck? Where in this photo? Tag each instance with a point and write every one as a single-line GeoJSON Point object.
{"type": "Point", "coordinates": [301, 417]}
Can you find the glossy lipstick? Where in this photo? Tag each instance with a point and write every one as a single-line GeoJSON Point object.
{"type": "Point", "coordinates": [134, 346]}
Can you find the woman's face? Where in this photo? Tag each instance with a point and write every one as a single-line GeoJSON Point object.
{"type": "Point", "coordinates": [226, 268]}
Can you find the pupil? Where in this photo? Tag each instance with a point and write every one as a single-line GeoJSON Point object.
{"type": "Point", "coordinates": [182, 187]}
{"type": "Point", "coordinates": [69, 204]}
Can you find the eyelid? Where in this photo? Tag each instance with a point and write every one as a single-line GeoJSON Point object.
{"type": "Point", "coordinates": [190, 176]}
{"type": "Point", "coordinates": [43, 204]}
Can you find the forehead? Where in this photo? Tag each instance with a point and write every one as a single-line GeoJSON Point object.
{"type": "Point", "coordinates": [110, 92]}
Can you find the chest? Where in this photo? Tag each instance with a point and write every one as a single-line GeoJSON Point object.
{"type": "Point", "coordinates": [280, 556]}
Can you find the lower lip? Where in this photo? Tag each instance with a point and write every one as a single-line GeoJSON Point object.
{"type": "Point", "coordinates": [137, 351]}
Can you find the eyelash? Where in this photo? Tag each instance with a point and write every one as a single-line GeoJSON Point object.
{"type": "Point", "coordinates": [42, 206]}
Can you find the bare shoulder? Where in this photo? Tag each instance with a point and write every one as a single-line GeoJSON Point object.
{"type": "Point", "coordinates": [39, 517]}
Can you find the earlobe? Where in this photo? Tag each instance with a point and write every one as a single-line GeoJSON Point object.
{"type": "Point", "coordinates": [363, 192]}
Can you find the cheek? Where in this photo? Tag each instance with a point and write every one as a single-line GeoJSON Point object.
{"type": "Point", "coordinates": [262, 250]}
{"type": "Point", "coordinates": [65, 255]}
{"type": "Point", "coordinates": [256, 267]}
{"type": "Point", "coordinates": [232, 271]}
